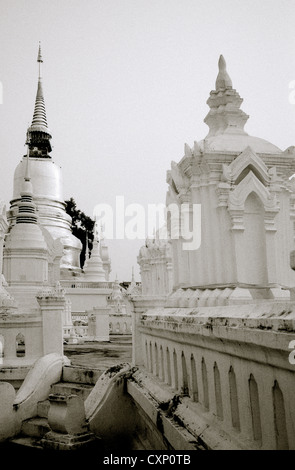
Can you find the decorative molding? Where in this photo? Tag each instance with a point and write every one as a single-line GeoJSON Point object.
{"type": "Point", "coordinates": [238, 196]}
{"type": "Point", "coordinates": [248, 158]}
{"type": "Point", "coordinates": [56, 292]}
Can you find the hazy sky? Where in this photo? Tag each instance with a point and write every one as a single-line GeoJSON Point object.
{"type": "Point", "coordinates": [126, 84]}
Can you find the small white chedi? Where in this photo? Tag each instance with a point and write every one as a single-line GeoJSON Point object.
{"type": "Point", "coordinates": [31, 260]}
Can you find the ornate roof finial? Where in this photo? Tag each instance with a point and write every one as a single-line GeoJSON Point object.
{"type": "Point", "coordinates": [225, 115]}
{"type": "Point", "coordinates": [39, 133]}
{"type": "Point", "coordinates": [39, 59]}
{"type": "Point", "coordinates": [223, 79]}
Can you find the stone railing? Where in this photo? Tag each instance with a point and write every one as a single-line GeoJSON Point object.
{"type": "Point", "coordinates": [86, 285]}
{"type": "Point", "coordinates": [231, 367]}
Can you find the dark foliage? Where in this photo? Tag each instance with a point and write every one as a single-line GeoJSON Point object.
{"type": "Point", "coordinates": [82, 227]}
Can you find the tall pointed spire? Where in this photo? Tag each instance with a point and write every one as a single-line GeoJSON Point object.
{"type": "Point", "coordinates": [132, 284]}
{"type": "Point", "coordinates": [116, 285]}
{"type": "Point", "coordinates": [39, 60]}
{"type": "Point", "coordinates": [101, 235]}
{"type": "Point", "coordinates": [223, 79]}
{"type": "Point", "coordinates": [94, 267]}
{"type": "Point", "coordinates": [39, 132]}
{"type": "Point", "coordinates": [225, 115]}
{"type": "Point", "coordinates": [87, 257]}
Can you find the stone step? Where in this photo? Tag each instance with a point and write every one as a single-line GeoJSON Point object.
{"type": "Point", "coordinates": [82, 375]}
{"type": "Point", "coordinates": [35, 427]}
{"type": "Point", "coordinates": [25, 442]}
{"type": "Point", "coordinates": [15, 375]}
{"type": "Point", "coordinates": [71, 388]}
{"type": "Point", "coordinates": [43, 408]}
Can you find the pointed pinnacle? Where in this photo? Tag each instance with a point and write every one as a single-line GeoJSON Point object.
{"type": "Point", "coordinates": [39, 58]}
{"type": "Point", "coordinates": [223, 79]}
{"type": "Point", "coordinates": [39, 117]}
{"type": "Point", "coordinates": [221, 64]}
{"type": "Point", "coordinates": [197, 150]}
{"type": "Point", "coordinates": [187, 150]}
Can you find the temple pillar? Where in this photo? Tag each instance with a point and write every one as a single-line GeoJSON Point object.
{"type": "Point", "coordinates": [98, 324]}
{"type": "Point", "coordinates": [52, 304]}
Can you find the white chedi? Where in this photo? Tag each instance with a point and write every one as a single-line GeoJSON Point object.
{"type": "Point", "coordinates": [93, 270]}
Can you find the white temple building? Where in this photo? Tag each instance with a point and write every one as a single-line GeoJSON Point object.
{"type": "Point", "coordinates": [46, 179]}
{"type": "Point", "coordinates": [33, 325]}
{"type": "Point", "coordinates": [213, 326]}
{"type": "Point", "coordinates": [41, 251]}
{"type": "Point", "coordinates": [221, 339]}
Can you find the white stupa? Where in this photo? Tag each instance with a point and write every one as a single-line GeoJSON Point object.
{"type": "Point", "coordinates": [93, 267]}
{"type": "Point", "coordinates": [46, 179]}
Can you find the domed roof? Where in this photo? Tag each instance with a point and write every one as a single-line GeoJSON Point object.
{"type": "Point", "coordinates": [46, 178]}
{"type": "Point", "coordinates": [237, 143]}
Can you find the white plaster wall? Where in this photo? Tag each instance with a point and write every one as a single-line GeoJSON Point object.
{"type": "Point", "coordinates": [32, 332]}
{"type": "Point", "coordinates": [120, 324]}
{"type": "Point", "coordinates": [266, 368]}
{"type": "Point", "coordinates": [83, 299]}
{"type": "Point", "coordinates": [46, 178]}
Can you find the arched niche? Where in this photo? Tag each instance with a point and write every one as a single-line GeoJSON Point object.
{"type": "Point", "coordinates": [205, 385]}
{"type": "Point", "coordinates": [218, 392]}
{"type": "Point", "coordinates": [279, 418]}
{"type": "Point", "coordinates": [195, 391]}
{"type": "Point", "coordinates": [254, 241]}
{"type": "Point", "coordinates": [20, 345]}
{"type": "Point", "coordinates": [185, 387]}
{"type": "Point", "coordinates": [169, 381]}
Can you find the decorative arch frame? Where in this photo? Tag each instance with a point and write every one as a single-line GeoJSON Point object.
{"type": "Point", "coordinates": [237, 197]}
{"type": "Point", "coordinates": [248, 158]}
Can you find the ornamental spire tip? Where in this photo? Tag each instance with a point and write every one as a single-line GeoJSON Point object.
{"type": "Point", "coordinates": [223, 79]}
{"type": "Point", "coordinates": [39, 58]}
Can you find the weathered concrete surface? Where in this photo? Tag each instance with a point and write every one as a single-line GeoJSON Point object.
{"type": "Point", "coordinates": [108, 408]}
{"type": "Point", "coordinates": [67, 414]}
{"type": "Point", "coordinates": [14, 375]}
{"type": "Point", "coordinates": [7, 415]}
{"type": "Point", "coordinates": [101, 355]}
{"type": "Point", "coordinates": [36, 386]}
{"type": "Point", "coordinates": [84, 375]}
